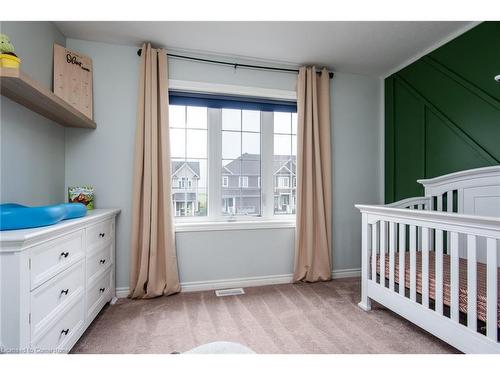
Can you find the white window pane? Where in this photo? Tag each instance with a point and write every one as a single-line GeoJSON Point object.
{"type": "Point", "coordinates": [282, 144]}
{"type": "Point", "coordinates": [250, 194]}
{"type": "Point", "coordinates": [231, 172]}
{"type": "Point", "coordinates": [294, 145]}
{"type": "Point", "coordinates": [177, 116]}
{"type": "Point", "coordinates": [179, 183]}
{"type": "Point", "coordinates": [189, 187]}
{"type": "Point", "coordinates": [177, 143]}
{"type": "Point", "coordinates": [251, 121]}
{"type": "Point", "coordinates": [294, 123]}
{"type": "Point", "coordinates": [199, 187]}
{"type": "Point", "coordinates": [231, 119]}
{"type": "Point", "coordinates": [197, 117]}
{"type": "Point", "coordinates": [231, 145]}
{"type": "Point", "coordinates": [243, 182]}
{"type": "Point", "coordinates": [196, 143]}
{"type": "Point", "coordinates": [247, 204]}
{"type": "Point", "coordinates": [282, 122]}
{"type": "Point", "coordinates": [200, 171]}
{"type": "Point", "coordinates": [251, 169]}
{"type": "Point", "coordinates": [229, 205]}
{"type": "Point", "coordinates": [198, 203]}
{"type": "Point", "coordinates": [250, 143]}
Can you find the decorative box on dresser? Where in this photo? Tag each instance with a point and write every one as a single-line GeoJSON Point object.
{"type": "Point", "coordinates": [54, 280]}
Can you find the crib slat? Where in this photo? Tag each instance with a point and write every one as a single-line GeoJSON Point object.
{"type": "Point", "coordinates": [425, 267]}
{"type": "Point", "coordinates": [471, 283]}
{"type": "Point", "coordinates": [449, 201]}
{"type": "Point", "coordinates": [460, 196]}
{"type": "Point", "coordinates": [439, 271]}
{"type": "Point", "coordinates": [439, 203]}
{"type": "Point", "coordinates": [374, 251]}
{"type": "Point", "coordinates": [419, 238]}
{"type": "Point", "coordinates": [383, 246]}
{"type": "Point", "coordinates": [491, 288]}
{"type": "Point", "coordinates": [402, 253]}
{"type": "Point", "coordinates": [392, 249]}
{"type": "Point", "coordinates": [454, 287]}
{"type": "Point", "coordinates": [413, 263]}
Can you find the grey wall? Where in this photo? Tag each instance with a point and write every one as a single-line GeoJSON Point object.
{"type": "Point", "coordinates": [32, 147]}
{"type": "Point", "coordinates": [106, 155]}
{"type": "Point", "coordinates": [103, 157]}
{"type": "Point", "coordinates": [356, 148]}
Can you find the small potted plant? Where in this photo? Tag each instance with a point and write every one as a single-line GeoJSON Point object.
{"type": "Point", "coordinates": [8, 58]}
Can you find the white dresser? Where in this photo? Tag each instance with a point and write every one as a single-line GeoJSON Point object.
{"type": "Point", "coordinates": [54, 280]}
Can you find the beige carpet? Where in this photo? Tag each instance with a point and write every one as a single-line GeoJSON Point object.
{"type": "Point", "coordinates": [292, 318]}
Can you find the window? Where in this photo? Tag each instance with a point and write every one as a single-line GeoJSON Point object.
{"type": "Point", "coordinates": [243, 182]}
{"type": "Point", "coordinates": [285, 158]}
{"type": "Point", "coordinates": [241, 158]}
{"type": "Point", "coordinates": [189, 154]}
{"type": "Point", "coordinates": [252, 156]}
{"type": "Point", "coordinates": [283, 182]}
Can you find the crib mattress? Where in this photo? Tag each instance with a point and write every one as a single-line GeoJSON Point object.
{"type": "Point", "coordinates": [481, 281]}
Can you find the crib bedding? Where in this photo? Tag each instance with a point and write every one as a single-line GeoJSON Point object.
{"type": "Point", "coordinates": [481, 281]}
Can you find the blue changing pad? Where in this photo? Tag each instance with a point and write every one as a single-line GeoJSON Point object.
{"type": "Point", "coordinates": [16, 216]}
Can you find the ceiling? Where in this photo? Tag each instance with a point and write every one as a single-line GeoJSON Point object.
{"type": "Point", "coordinates": [370, 48]}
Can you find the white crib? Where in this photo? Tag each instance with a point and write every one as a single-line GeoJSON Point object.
{"type": "Point", "coordinates": [444, 249]}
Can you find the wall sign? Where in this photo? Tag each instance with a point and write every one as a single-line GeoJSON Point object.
{"type": "Point", "coordinates": [73, 79]}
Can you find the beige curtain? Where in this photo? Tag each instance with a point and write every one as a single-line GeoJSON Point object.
{"type": "Point", "coordinates": [314, 177]}
{"type": "Point", "coordinates": [153, 263]}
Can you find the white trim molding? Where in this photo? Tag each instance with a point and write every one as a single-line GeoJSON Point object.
{"type": "Point", "coordinates": [207, 226]}
{"type": "Point", "coordinates": [122, 292]}
{"type": "Point", "coordinates": [236, 90]}
{"type": "Point", "coordinates": [345, 273]}
{"type": "Point", "coordinates": [246, 282]}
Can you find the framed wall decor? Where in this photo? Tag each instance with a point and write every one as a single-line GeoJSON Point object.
{"type": "Point", "coordinates": [73, 79]}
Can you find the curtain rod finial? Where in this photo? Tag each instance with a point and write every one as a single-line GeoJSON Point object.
{"type": "Point", "coordinates": [139, 52]}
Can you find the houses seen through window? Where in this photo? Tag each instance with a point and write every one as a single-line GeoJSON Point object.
{"type": "Point", "coordinates": [285, 155]}
{"type": "Point", "coordinates": [189, 155]}
{"type": "Point", "coordinates": [250, 166]}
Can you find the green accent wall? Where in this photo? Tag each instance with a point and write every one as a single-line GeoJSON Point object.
{"type": "Point", "coordinates": [442, 112]}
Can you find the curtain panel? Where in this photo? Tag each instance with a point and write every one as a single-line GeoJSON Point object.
{"type": "Point", "coordinates": [313, 239]}
{"type": "Point", "coordinates": [153, 262]}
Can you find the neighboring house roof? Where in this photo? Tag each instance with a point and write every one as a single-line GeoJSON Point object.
{"type": "Point", "coordinates": [193, 165]}
{"type": "Point", "coordinates": [283, 163]}
{"type": "Point", "coordinates": [249, 165]}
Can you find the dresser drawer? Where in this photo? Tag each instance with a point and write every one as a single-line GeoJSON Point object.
{"type": "Point", "coordinates": [51, 297]}
{"type": "Point", "coordinates": [98, 293]}
{"type": "Point", "coordinates": [100, 234]}
{"type": "Point", "coordinates": [52, 257]}
{"type": "Point", "coordinates": [61, 335]}
{"type": "Point", "coordinates": [99, 261]}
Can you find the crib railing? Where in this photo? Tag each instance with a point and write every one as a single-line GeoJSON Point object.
{"type": "Point", "coordinates": [390, 233]}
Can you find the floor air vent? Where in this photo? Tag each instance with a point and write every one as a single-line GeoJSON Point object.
{"type": "Point", "coordinates": [229, 292]}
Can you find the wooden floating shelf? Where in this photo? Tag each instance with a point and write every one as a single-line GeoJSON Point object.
{"type": "Point", "coordinates": [31, 94]}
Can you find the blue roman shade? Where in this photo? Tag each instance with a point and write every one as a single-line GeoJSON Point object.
{"type": "Point", "coordinates": [232, 102]}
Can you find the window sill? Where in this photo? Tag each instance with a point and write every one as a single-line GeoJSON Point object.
{"type": "Point", "coordinates": [207, 226]}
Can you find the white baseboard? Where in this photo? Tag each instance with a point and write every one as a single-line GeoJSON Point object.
{"type": "Point", "coordinates": [347, 272]}
{"type": "Point", "coordinates": [245, 282]}
{"type": "Point", "coordinates": [122, 292]}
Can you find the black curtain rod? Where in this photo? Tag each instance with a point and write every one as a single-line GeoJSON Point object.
{"type": "Point", "coordinates": [235, 65]}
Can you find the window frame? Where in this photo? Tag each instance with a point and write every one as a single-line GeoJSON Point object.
{"type": "Point", "coordinates": [215, 219]}
{"type": "Point", "coordinates": [243, 181]}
